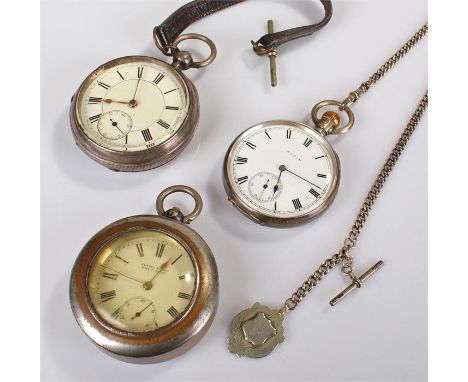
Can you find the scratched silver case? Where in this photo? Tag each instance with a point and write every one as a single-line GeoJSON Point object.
{"type": "Point", "coordinates": [140, 160]}
{"type": "Point", "coordinates": [261, 218]}
{"type": "Point", "coordinates": [166, 342]}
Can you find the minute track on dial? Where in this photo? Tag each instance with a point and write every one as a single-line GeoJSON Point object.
{"type": "Point", "coordinates": [155, 107]}
{"type": "Point", "coordinates": [294, 179]}
{"type": "Point", "coordinates": [139, 273]}
{"type": "Point", "coordinates": [287, 151]}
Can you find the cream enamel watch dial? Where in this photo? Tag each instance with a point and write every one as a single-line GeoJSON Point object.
{"type": "Point", "coordinates": [144, 288]}
{"type": "Point", "coordinates": [142, 281]}
{"type": "Point", "coordinates": [133, 106]}
{"type": "Point", "coordinates": [134, 113]}
{"type": "Point", "coordinates": [281, 173]}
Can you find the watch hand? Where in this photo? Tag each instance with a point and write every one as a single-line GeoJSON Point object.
{"type": "Point", "coordinates": [281, 168]}
{"type": "Point", "coordinates": [300, 177]}
{"type": "Point", "coordinates": [133, 101]}
{"type": "Point", "coordinates": [116, 126]}
{"type": "Point", "coordinates": [107, 100]}
{"type": "Point", "coordinates": [120, 273]}
{"type": "Point", "coordinates": [265, 186]}
{"type": "Point", "coordinates": [162, 268]}
{"type": "Point", "coordinates": [138, 314]}
{"type": "Point", "coordinates": [149, 284]}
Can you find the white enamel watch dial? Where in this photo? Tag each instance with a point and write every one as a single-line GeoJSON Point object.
{"type": "Point", "coordinates": [281, 173]}
{"type": "Point", "coordinates": [133, 106]}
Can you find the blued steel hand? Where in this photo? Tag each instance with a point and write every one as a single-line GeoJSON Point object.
{"type": "Point", "coordinates": [265, 186]}
{"type": "Point", "coordinates": [116, 126]}
{"type": "Point", "coordinates": [300, 177]}
{"type": "Point", "coordinates": [281, 168]}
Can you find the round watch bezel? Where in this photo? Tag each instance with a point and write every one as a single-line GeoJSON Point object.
{"type": "Point", "coordinates": [277, 221]}
{"type": "Point", "coordinates": [165, 342]}
{"type": "Point", "coordinates": [143, 159]}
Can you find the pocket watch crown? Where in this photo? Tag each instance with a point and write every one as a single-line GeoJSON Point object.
{"type": "Point", "coordinates": [333, 117]}
{"type": "Point", "coordinates": [175, 213]}
{"type": "Point", "coordinates": [328, 123]}
{"type": "Point", "coordinates": [182, 60]}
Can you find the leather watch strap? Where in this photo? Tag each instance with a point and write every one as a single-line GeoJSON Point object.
{"type": "Point", "coordinates": [273, 40]}
{"type": "Point", "coordinates": [186, 15]}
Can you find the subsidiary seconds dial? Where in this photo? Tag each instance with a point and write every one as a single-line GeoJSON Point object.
{"type": "Point", "coordinates": [281, 173]}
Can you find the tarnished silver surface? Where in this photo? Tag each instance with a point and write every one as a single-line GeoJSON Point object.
{"type": "Point", "coordinates": [145, 159]}
{"type": "Point", "coordinates": [256, 332]}
{"type": "Point", "coordinates": [187, 218]}
{"type": "Point", "coordinates": [168, 341]}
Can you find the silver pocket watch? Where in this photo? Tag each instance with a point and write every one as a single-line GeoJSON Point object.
{"type": "Point", "coordinates": [144, 289]}
{"type": "Point", "coordinates": [136, 113]}
{"type": "Point", "coordinates": [282, 173]}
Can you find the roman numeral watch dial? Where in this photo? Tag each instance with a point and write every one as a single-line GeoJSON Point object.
{"type": "Point", "coordinates": [281, 173]}
{"type": "Point", "coordinates": [135, 286]}
{"type": "Point", "coordinates": [136, 113]}
{"type": "Point", "coordinates": [145, 286]}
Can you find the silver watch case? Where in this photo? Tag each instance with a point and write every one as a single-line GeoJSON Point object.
{"type": "Point", "coordinates": [140, 160]}
{"type": "Point", "coordinates": [280, 222]}
{"type": "Point", "coordinates": [168, 341]}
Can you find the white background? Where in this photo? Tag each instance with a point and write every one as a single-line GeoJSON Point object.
{"type": "Point", "coordinates": [379, 332]}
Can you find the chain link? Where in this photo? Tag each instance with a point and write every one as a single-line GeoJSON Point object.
{"type": "Point", "coordinates": [389, 64]}
{"type": "Point", "coordinates": [343, 255]}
